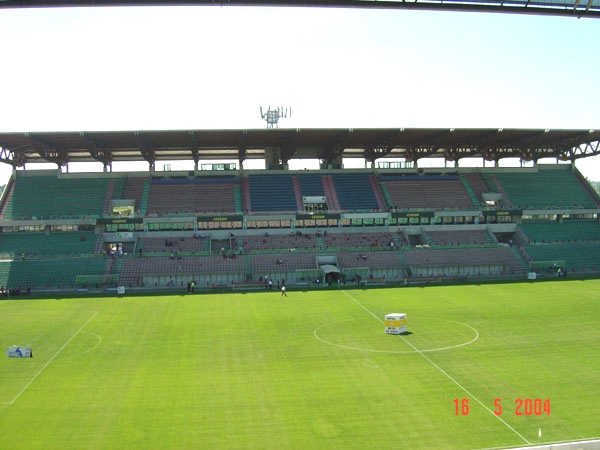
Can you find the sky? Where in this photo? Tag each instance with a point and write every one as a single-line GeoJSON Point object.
{"type": "Point", "coordinates": [213, 67]}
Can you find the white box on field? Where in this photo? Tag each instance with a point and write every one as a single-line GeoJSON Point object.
{"type": "Point", "coordinates": [16, 351]}
{"type": "Point", "coordinates": [395, 323]}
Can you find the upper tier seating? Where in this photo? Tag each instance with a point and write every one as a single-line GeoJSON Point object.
{"type": "Point", "coordinates": [190, 196]}
{"type": "Point", "coordinates": [46, 196]}
{"type": "Point", "coordinates": [272, 193]}
{"type": "Point", "coordinates": [555, 187]}
{"type": "Point", "coordinates": [354, 192]}
{"type": "Point", "coordinates": [427, 192]}
{"type": "Point", "coordinates": [311, 184]}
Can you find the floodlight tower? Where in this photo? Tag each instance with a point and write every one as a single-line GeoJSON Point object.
{"type": "Point", "coordinates": [272, 116]}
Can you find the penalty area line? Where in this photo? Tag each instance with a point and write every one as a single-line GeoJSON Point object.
{"type": "Point", "coordinates": [465, 390]}
{"type": "Point", "coordinates": [50, 360]}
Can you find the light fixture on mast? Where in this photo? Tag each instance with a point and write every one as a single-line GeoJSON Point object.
{"type": "Point", "coordinates": [272, 116]}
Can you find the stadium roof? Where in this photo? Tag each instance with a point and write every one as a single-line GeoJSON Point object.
{"type": "Point", "coordinates": [573, 8]}
{"type": "Point", "coordinates": [326, 144]}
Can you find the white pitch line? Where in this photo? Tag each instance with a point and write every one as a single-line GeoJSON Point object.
{"type": "Point", "coordinates": [397, 352]}
{"type": "Point", "coordinates": [50, 360]}
{"type": "Point", "coordinates": [586, 443]}
{"type": "Point", "coordinates": [465, 390]}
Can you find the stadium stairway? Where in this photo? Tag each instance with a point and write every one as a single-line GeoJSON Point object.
{"type": "Point", "coordinates": [490, 183]}
{"type": "Point", "coordinates": [117, 268]}
{"type": "Point", "coordinates": [145, 196]}
{"type": "Point", "coordinates": [490, 238]}
{"type": "Point", "coordinates": [8, 198]}
{"type": "Point", "coordinates": [321, 243]}
{"type": "Point", "coordinates": [98, 244]}
{"type": "Point", "coordinates": [109, 268]}
{"type": "Point", "coordinates": [519, 257]}
{"type": "Point", "coordinates": [472, 195]}
{"type": "Point", "coordinates": [586, 186]}
{"type": "Point", "coordinates": [330, 193]}
{"type": "Point", "coordinates": [505, 198]}
{"type": "Point", "coordinates": [386, 196]}
{"type": "Point", "coordinates": [124, 278]}
{"type": "Point", "coordinates": [298, 193]}
{"type": "Point", "coordinates": [109, 193]}
{"type": "Point", "coordinates": [238, 199]}
{"type": "Point", "coordinates": [377, 192]}
{"type": "Point", "coordinates": [245, 186]}
{"type": "Point", "coordinates": [248, 267]}
{"type": "Point", "coordinates": [398, 241]}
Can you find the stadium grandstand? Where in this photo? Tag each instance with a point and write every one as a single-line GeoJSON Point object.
{"type": "Point", "coordinates": [229, 228]}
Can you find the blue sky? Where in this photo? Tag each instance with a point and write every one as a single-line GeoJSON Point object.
{"type": "Point", "coordinates": [75, 69]}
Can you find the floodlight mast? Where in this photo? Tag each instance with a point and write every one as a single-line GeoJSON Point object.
{"type": "Point", "coordinates": [272, 116]}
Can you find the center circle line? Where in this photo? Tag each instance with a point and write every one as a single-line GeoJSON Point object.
{"type": "Point", "coordinates": [431, 350]}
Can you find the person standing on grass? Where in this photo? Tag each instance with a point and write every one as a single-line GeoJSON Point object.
{"type": "Point", "coordinates": [283, 293]}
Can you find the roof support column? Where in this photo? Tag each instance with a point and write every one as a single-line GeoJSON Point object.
{"type": "Point", "coordinates": [273, 159]}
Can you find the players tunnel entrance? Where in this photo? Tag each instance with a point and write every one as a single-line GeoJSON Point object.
{"type": "Point", "coordinates": [331, 273]}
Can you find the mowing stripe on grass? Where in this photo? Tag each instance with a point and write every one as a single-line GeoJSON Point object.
{"type": "Point", "coordinates": [50, 360]}
{"type": "Point", "coordinates": [442, 371]}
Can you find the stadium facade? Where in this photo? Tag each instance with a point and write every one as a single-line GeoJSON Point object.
{"type": "Point", "coordinates": [227, 228]}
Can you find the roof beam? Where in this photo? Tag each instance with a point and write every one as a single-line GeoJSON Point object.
{"type": "Point", "coordinates": [194, 148]}
{"type": "Point", "coordinates": [327, 145]}
{"type": "Point", "coordinates": [415, 153]}
{"type": "Point", "coordinates": [289, 145]}
{"type": "Point", "coordinates": [383, 148]}
{"type": "Point", "coordinates": [242, 146]}
{"type": "Point", "coordinates": [335, 148]}
{"type": "Point", "coordinates": [97, 152]}
{"type": "Point", "coordinates": [571, 8]}
{"type": "Point", "coordinates": [146, 150]}
{"type": "Point", "coordinates": [434, 138]}
{"type": "Point", "coordinates": [457, 152]}
{"type": "Point", "coordinates": [50, 153]}
{"type": "Point", "coordinates": [580, 151]}
{"type": "Point", "coordinates": [13, 158]}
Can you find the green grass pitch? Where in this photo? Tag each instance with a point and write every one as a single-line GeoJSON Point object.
{"type": "Point", "coordinates": [311, 370]}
